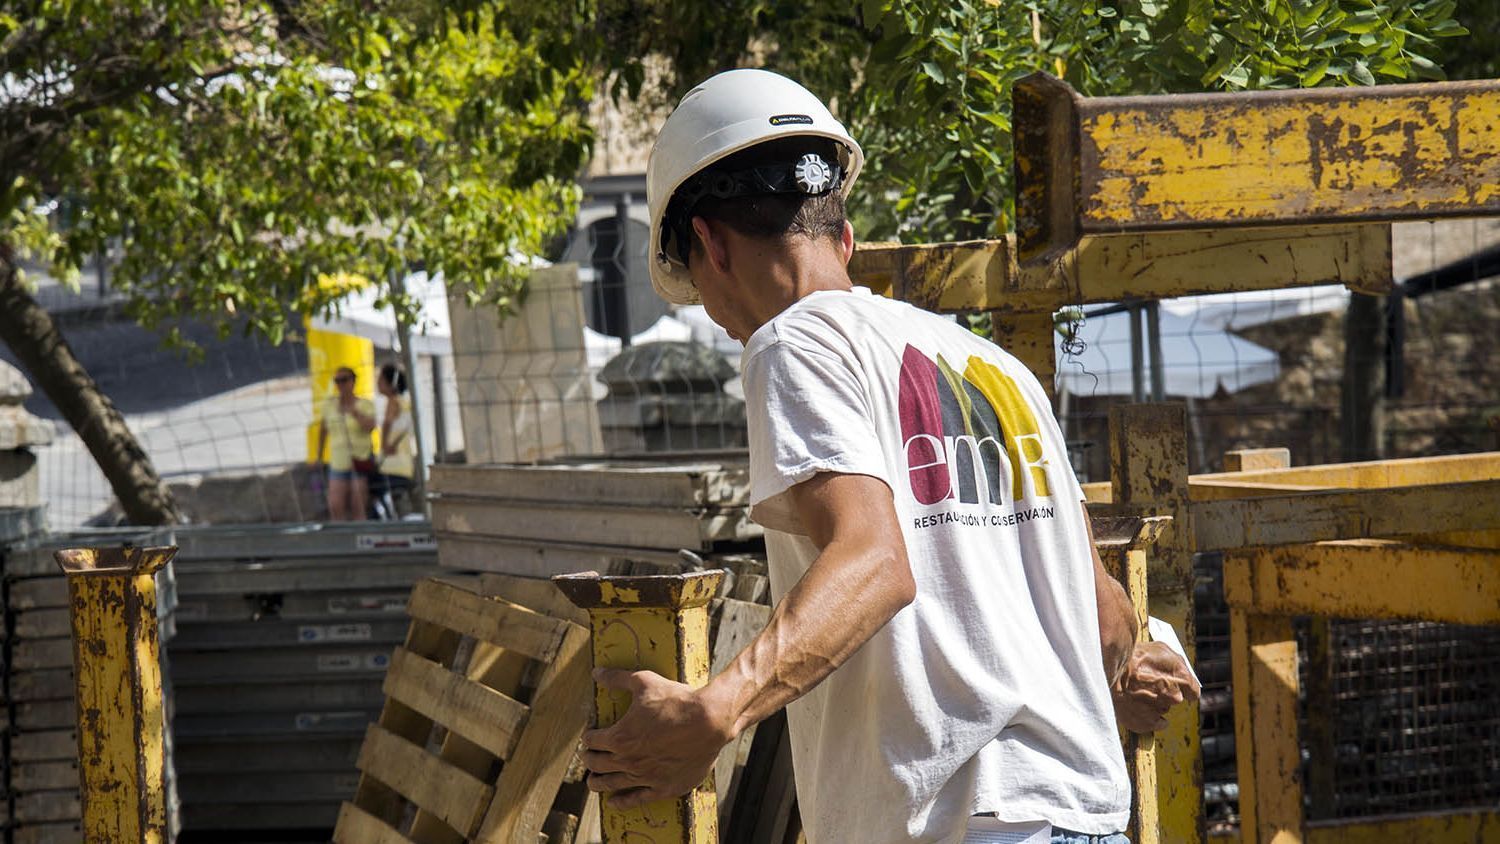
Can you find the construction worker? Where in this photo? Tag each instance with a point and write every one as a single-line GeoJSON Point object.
{"type": "Point", "coordinates": [944, 640]}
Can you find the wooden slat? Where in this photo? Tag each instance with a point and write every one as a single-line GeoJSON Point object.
{"type": "Point", "coordinates": [433, 642]}
{"type": "Point", "coordinates": [430, 783]}
{"type": "Point", "coordinates": [1338, 514]}
{"type": "Point", "coordinates": [534, 594]}
{"type": "Point", "coordinates": [670, 486]}
{"type": "Point", "coordinates": [531, 776]}
{"type": "Point", "coordinates": [606, 525]}
{"type": "Point", "coordinates": [356, 826]}
{"type": "Point", "coordinates": [478, 713]}
{"type": "Point", "coordinates": [1373, 474]}
{"type": "Point", "coordinates": [486, 619]}
{"type": "Point", "coordinates": [1256, 459]}
{"type": "Point", "coordinates": [504, 672]}
{"type": "Point", "coordinates": [739, 623]}
{"type": "Point", "coordinates": [1367, 579]}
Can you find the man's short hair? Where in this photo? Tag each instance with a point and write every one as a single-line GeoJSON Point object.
{"type": "Point", "coordinates": [779, 215]}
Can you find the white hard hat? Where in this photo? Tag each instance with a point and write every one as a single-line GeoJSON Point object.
{"type": "Point", "coordinates": [727, 113]}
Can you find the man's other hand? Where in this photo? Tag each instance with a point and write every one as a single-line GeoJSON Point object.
{"type": "Point", "coordinates": [1155, 680]}
{"type": "Point", "coordinates": [663, 746]}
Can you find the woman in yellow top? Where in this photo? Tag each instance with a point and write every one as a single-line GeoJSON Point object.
{"type": "Point", "coordinates": [346, 423]}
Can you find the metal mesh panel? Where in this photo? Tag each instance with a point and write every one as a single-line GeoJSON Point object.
{"type": "Point", "coordinates": [1408, 715]}
{"type": "Point", "coordinates": [1413, 718]}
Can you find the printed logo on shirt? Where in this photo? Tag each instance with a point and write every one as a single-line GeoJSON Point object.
{"type": "Point", "coordinates": [970, 436]}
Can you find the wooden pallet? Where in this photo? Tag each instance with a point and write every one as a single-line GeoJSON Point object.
{"type": "Point", "coordinates": [478, 738]}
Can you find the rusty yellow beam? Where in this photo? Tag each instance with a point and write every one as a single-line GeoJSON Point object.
{"type": "Point", "coordinates": [1202, 490]}
{"type": "Point", "coordinates": [1346, 514]}
{"type": "Point", "coordinates": [1453, 468]}
{"type": "Point", "coordinates": [986, 275]}
{"type": "Point", "coordinates": [1367, 579]}
{"type": "Point", "coordinates": [1123, 544]}
{"type": "Point", "coordinates": [1090, 165]}
{"type": "Point", "coordinates": [117, 678]}
{"type": "Point", "coordinates": [1466, 826]}
{"type": "Point", "coordinates": [1148, 471]}
{"type": "Point", "coordinates": [658, 623]}
{"type": "Point", "coordinates": [1263, 659]}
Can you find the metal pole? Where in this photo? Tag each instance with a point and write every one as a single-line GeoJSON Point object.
{"type": "Point", "coordinates": [622, 264]}
{"type": "Point", "coordinates": [439, 413]}
{"type": "Point", "coordinates": [659, 623]}
{"type": "Point", "coordinates": [413, 388]}
{"type": "Point", "coordinates": [1153, 339]}
{"type": "Point", "coordinates": [1137, 366]}
{"type": "Point", "coordinates": [117, 680]}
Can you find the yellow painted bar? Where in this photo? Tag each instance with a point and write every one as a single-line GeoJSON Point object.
{"type": "Point", "coordinates": [1346, 514]}
{"type": "Point", "coordinates": [984, 275]}
{"type": "Point", "coordinates": [1148, 469]}
{"type": "Point", "coordinates": [1459, 827]}
{"type": "Point", "coordinates": [1367, 579]}
{"type": "Point", "coordinates": [657, 623]}
{"type": "Point", "coordinates": [1389, 152]}
{"type": "Point", "coordinates": [117, 678]}
{"type": "Point", "coordinates": [1374, 474]}
{"type": "Point", "coordinates": [1124, 555]}
{"type": "Point", "coordinates": [1263, 658]}
{"type": "Point", "coordinates": [1252, 459]}
{"type": "Point", "coordinates": [1028, 336]}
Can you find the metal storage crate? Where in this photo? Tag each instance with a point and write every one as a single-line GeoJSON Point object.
{"type": "Point", "coordinates": [284, 633]}
{"type": "Point", "coordinates": [41, 747]}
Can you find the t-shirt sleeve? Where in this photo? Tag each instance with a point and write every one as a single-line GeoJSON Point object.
{"type": "Point", "coordinates": [807, 412]}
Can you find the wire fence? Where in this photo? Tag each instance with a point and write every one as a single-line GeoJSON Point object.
{"type": "Point", "coordinates": [594, 362]}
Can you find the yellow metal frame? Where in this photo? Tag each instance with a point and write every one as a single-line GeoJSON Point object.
{"type": "Point", "coordinates": [1265, 586]}
{"type": "Point", "coordinates": [1112, 204]}
{"type": "Point", "coordinates": [1089, 165]}
{"type": "Point", "coordinates": [117, 678]}
{"type": "Point", "coordinates": [657, 623]}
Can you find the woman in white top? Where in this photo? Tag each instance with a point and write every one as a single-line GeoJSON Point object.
{"type": "Point", "coordinates": [396, 443]}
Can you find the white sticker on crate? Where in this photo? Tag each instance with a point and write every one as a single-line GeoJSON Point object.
{"type": "Point", "coordinates": [385, 541]}
{"type": "Point", "coordinates": [339, 662]}
{"type": "Point", "coordinates": [317, 633]}
{"type": "Point", "coordinates": [366, 603]}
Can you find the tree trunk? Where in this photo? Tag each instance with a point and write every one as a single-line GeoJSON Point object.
{"type": "Point", "coordinates": [29, 331]}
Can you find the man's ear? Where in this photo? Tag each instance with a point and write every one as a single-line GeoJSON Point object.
{"type": "Point", "coordinates": [715, 244]}
{"type": "Point", "coordinates": [846, 242]}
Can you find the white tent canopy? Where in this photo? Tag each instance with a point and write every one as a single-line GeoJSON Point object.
{"type": "Point", "coordinates": [431, 334]}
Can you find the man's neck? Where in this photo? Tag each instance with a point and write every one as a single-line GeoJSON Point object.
{"type": "Point", "coordinates": [792, 272]}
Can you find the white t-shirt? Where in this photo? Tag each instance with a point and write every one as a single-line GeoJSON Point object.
{"type": "Point", "coordinates": [987, 693]}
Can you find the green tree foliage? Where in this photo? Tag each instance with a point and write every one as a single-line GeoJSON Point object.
{"type": "Point", "coordinates": [235, 151]}
{"type": "Point", "coordinates": [925, 86]}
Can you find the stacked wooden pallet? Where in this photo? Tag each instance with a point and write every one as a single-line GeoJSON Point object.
{"type": "Point", "coordinates": [562, 517]}
{"type": "Point", "coordinates": [478, 740]}
{"type": "Point", "coordinates": [42, 745]}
